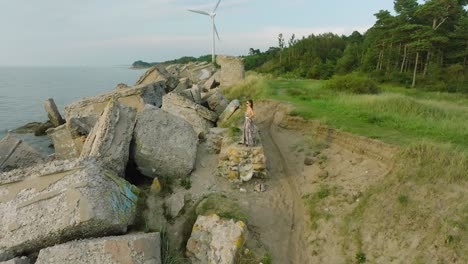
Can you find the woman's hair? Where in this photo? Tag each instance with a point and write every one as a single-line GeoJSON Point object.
{"type": "Point", "coordinates": [251, 103]}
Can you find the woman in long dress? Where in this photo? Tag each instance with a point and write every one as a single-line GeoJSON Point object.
{"type": "Point", "coordinates": [249, 127]}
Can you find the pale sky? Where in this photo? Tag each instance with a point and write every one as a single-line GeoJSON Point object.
{"type": "Point", "coordinates": [118, 32]}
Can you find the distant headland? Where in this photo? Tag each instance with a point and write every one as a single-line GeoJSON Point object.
{"type": "Point", "coordinates": [139, 64]}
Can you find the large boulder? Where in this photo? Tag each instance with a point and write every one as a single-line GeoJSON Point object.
{"type": "Point", "coordinates": [15, 153]}
{"type": "Point", "coordinates": [184, 84]}
{"type": "Point", "coordinates": [159, 73]}
{"type": "Point", "coordinates": [53, 113]}
{"type": "Point", "coordinates": [229, 111]}
{"type": "Point", "coordinates": [131, 249]}
{"type": "Point", "coordinates": [88, 110]}
{"type": "Point", "coordinates": [232, 70]}
{"type": "Point", "coordinates": [201, 118]}
{"type": "Point", "coordinates": [213, 81]}
{"type": "Point", "coordinates": [66, 146]}
{"type": "Point", "coordinates": [174, 69]}
{"type": "Point", "coordinates": [59, 201]}
{"type": "Point", "coordinates": [37, 128]}
{"type": "Point", "coordinates": [163, 144]}
{"type": "Point", "coordinates": [109, 140]}
{"type": "Point", "coordinates": [238, 162]}
{"type": "Point", "coordinates": [215, 240]}
{"type": "Point", "coordinates": [217, 102]}
{"type": "Point", "coordinates": [201, 72]}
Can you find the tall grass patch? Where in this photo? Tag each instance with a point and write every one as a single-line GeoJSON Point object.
{"type": "Point", "coordinates": [429, 162]}
{"type": "Point", "coordinates": [253, 87]}
{"type": "Point", "coordinates": [353, 83]}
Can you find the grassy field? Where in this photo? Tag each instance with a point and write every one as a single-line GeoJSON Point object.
{"type": "Point", "coordinates": [423, 199]}
{"type": "Point", "coordinates": [396, 115]}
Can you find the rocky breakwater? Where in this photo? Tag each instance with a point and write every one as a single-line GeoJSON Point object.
{"type": "Point", "coordinates": [54, 202]}
{"type": "Point", "coordinates": [81, 191]}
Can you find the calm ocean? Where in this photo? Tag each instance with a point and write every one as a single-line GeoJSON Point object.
{"type": "Point", "coordinates": [23, 91]}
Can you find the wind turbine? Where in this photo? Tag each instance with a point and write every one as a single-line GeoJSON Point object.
{"type": "Point", "coordinates": [215, 31]}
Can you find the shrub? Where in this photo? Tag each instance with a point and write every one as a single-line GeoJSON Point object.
{"type": "Point", "coordinates": [353, 83]}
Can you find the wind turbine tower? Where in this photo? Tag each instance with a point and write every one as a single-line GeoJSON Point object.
{"type": "Point", "coordinates": [212, 15]}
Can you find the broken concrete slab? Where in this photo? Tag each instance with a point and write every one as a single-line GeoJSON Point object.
{"type": "Point", "coordinates": [55, 202]}
{"type": "Point", "coordinates": [163, 144]}
{"type": "Point", "coordinates": [158, 73]}
{"type": "Point", "coordinates": [142, 248]}
{"type": "Point", "coordinates": [66, 146]}
{"type": "Point", "coordinates": [196, 93]}
{"type": "Point", "coordinates": [36, 128]}
{"type": "Point", "coordinates": [15, 153]}
{"type": "Point", "coordinates": [215, 240]}
{"type": "Point", "coordinates": [213, 81]}
{"type": "Point", "coordinates": [229, 111]}
{"type": "Point", "coordinates": [201, 118]}
{"type": "Point", "coordinates": [217, 102]}
{"type": "Point", "coordinates": [109, 140]}
{"type": "Point", "coordinates": [53, 113]}
{"type": "Point", "coordinates": [232, 70]}
{"type": "Point", "coordinates": [184, 84]}
{"type": "Point", "coordinates": [89, 109]}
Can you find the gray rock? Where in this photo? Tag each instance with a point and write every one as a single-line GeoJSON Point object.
{"type": "Point", "coordinates": [15, 153]}
{"type": "Point", "coordinates": [187, 94]}
{"type": "Point", "coordinates": [78, 128]}
{"type": "Point", "coordinates": [53, 113]}
{"type": "Point", "coordinates": [89, 109]}
{"type": "Point", "coordinates": [215, 240]}
{"type": "Point", "coordinates": [196, 93]}
{"type": "Point", "coordinates": [22, 260]}
{"type": "Point", "coordinates": [174, 204]}
{"type": "Point", "coordinates": [200, 73]}
{"type": "Point", "coordinates": [163, 144]}
{"type": "Point", "coordinates": [213, 81]}
{"type": "Point", "coordinates": [217, 102]}
{"type": "Point", "coordinates": [232, 70]}
{"type": "Point", "coordinates": [159, 73]}
{"type": "Point", "coordinates": [59, 201]}
{"type": "Point", "coordinates": [121, 86]}
{"type": "Point", "coordinates": [66, 146]}
{"type": "Point", "coordinates": [198, 116]}
{"type": "Point", "coordinates": [308, 161]}
{"type": "Point", "coordinates": [214, 139]}
{"type": "Point", "coordinates": [184, 84]}
{"type": "Point", "coordinates": [37, 128]}
{"type": "Point", "coordinates": [109, 140]}
{"type": "Point", "coordinates": [131, 249]}
{"type": "Point", "coordinates": [230, 110]}
{"type": "Point", "coordinates": [174, 69]}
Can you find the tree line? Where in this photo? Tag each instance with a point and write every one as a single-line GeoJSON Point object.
{"type": "Point", "coordinates": [422, 45]}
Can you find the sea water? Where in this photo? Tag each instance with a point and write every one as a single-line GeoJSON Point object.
{"type": "Point", "coordinates": [23, 91]}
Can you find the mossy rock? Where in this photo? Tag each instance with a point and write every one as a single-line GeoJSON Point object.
{"type": "Point", "coordinates": [221, 205]}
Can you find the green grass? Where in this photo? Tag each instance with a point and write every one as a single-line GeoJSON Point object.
{"type": "Point", "coordinates": [222, 206]}
{"type": "Point", "coordinates": [313, 202]}
{"type": "Point", "coordinates": [397, 115]}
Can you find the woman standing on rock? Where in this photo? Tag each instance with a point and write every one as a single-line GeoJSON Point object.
{"type": "Point", "coordinates": [249, 128]}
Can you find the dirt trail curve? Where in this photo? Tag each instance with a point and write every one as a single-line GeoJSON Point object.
{"type": "Point", "coordinates": [284, 232]}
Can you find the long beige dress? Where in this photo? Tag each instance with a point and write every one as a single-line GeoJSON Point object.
{"type": "Point", "coordinates": [249, 131]}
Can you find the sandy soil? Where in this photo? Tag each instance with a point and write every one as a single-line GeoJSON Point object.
{"type": "Point", "coordinates": [279, 220]}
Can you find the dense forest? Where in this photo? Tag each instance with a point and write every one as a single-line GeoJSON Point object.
{"type": "Point", "coordinates": [422, 45]}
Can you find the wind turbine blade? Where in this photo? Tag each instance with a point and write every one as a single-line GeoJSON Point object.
{"type": "Point", "coordinates": [199, 12]}
{"type": "Point", "coordinates": [216, 31]}
{"type": "Point", "coordinates": [216, 7]}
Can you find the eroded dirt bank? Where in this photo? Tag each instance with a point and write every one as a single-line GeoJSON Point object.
{"type": "Point", "coordinates": [286, 220]}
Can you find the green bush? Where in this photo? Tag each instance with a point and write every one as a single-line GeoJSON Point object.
{"type": "Point", "coordinates": [353, 83]}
